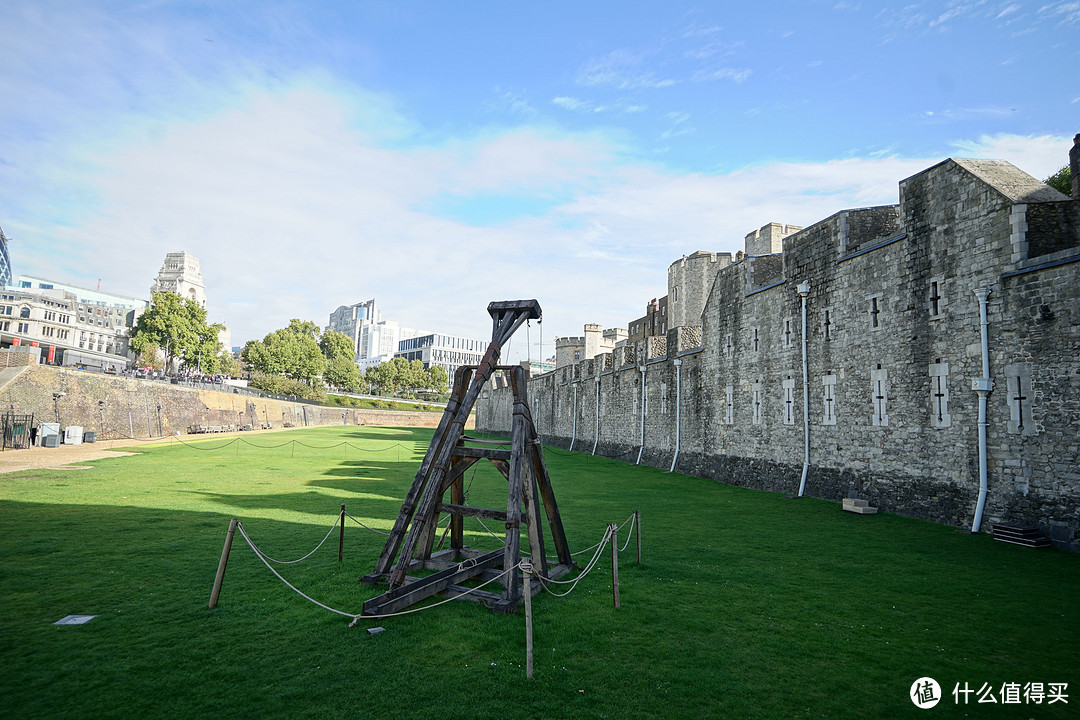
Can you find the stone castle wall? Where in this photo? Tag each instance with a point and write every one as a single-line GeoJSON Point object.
{"type": "Point", "coordinates": [893, 343]}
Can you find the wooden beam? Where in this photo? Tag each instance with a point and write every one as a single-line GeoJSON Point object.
{"type": "Point", "coordinates": [489, 453]}
{"type": "Point", "coordinates": [467, 511]}
{"type": "Point", "coordinates": [393, 540]}
{"type": "Point", "coordinates": [403, 597]}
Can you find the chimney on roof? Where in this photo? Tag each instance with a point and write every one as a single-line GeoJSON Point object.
{"type": "Point", "coordinates": [1074, 167]}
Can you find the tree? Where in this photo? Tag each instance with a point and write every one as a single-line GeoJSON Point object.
{"type": "Point", "coordinates": [227, 364]}
{"type": "Point", "coordinates": [400, 375]}
{"type": "Point", "coordinates": [148, 357]}
{"type": "Point", "coordinates": [1061, 180]}
{"type": "Point", "coordinates": [177, 325]}
{"type": "Point", "coordinates": [438, 380]}
{"type": "Point", "coordinates": [292, 351]}
{"type": "Point", "coordinates": [336, 344]}
{"type": "Point", "coordinates": [343, 373]}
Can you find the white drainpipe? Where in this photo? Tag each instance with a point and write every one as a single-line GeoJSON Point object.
{"type": "Point", "coordinates": [983, 386]}
{"type": "Point", "coordinates": [678, 409]}
{"type": "Point", "coordinates": [642, 448]}
{"type": "Point", "coordinates": [596, 431]}
{"type": "Point", "coordinates": [573, 434]}
{"type": "Point", "coordinates": [804, 290]}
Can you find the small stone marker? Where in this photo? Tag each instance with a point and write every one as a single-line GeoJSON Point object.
{"type": "Point", "coordinates": [375, 630]}
{"type": "Point", "coordinates": [75, 620]}
{"type": "Point", "coordinates": [859, 507]}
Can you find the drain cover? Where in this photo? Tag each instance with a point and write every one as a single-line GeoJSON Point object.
{"type": "Point", "coordinates": [75, 620]}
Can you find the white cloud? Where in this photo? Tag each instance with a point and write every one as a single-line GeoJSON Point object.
{"type": "Point", "coordinates": [1067, 13]}
{"type": "Point", "coordinates": [733, 74]}
{"type": "Point", "coordinates": [1039, 156]}
{"type": "Point", "coordinates": [1008, 10]}
{"type": "Point", "coordinates": [623, 70]}
{"type": "Point", "coordinates": [295, 207]}
{"type": "Point", "coordinates": [569, 103]}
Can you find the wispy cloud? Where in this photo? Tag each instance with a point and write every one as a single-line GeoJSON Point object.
{"type": "Point", "coordinates": [509, 102]}
{"type": "Point", "coordinates": [623, 70]}
{"type": "Point", "coordinates": [958, 114]}
{"type": "Point", "coordinates": [619, 107]}
{"type": "Point", "coordinates": [733, 74]}
{"type": "Point", "coordinates": [1008, 10]}
{"type": "Point", "coordinates": [1066, 13]}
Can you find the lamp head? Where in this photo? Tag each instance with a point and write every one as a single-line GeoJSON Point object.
{"type": "Point", "coordinates": [803, 288]}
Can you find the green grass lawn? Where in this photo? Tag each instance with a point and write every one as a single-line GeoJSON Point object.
{"type": "Point", "coordinates": [746, 604]}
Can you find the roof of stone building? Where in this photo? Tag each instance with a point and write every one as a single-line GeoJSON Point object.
{"type": "Point", "coordinates": [1010, 181]}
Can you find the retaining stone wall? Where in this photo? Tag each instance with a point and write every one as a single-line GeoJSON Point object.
{"type": "Point", "coordinates": [131, 406]}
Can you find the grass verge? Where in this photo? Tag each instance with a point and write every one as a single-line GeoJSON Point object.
{"type": "Point", "coordinates": [746, 604]}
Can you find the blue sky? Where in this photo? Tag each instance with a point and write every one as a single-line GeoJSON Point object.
{"type": "Point", "coordinates": [440, 155]}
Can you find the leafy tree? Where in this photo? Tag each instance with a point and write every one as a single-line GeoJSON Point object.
{"type": "Point", "coordinates": [401, 376]}
{"type": "Point", "coordinates": [176, 324]}
{"type": "Point", "coordinates": [281, 385]}
{"type": "Point", "coordinates": [148, 357]}
{"type": "Point", "coordinates": [206, 355]}
{"type": "Point", "coordinates": [438, 379]}
{"type": "Point", "coordinates": [342, 372]}
{"type": "Point", "coordinates": [227, 364]}
{"type": "Point", "coordinates": [1061, 180]}
{"type": "Point", "coordinates": [335, 345]}
{"type": "Point", "coordinates": [292, 351]}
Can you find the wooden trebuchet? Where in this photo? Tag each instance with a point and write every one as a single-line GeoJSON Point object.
{"type": "Point", "coordinates": [451, 453]}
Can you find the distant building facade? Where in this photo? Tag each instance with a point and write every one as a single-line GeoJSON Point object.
{"type": "Point", "coordinates": [351, 320]}
{"type": "Point", "coordinates": [374, 340]}
{"type": "Point", "coordinates": [653, 322]}
{"type": "Point", "coordinates": [570, 350]}
{"type": "Point", "coordinates": [5, 260]}
{"type": "Point", "coordinates": [448, 351]}
{"type": "Point", "coordinates": [180, 274]}
{"type": "Point", "coordinates": [71, 325]}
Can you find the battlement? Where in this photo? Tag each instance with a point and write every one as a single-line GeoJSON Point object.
{"type": "Point", "coordinates": [769, 239]}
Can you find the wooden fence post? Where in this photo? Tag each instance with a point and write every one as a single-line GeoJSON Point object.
{"type": "Point", "coordinates": [526, 575]}
{"type": "Point", "coordinates": [341, 537]}
{"type": "Point", "coordinates": [637, 525]}
{"type": "Point", "coordinates": [221, 565]}
{"type": "Point", "coordinates": [615, 564]}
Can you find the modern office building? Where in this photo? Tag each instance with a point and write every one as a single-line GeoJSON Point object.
{"type": "Point", "coordinates": [445, 350]}
{"type": "Point", "coordinates": [5, 260]}
{"type": "Point", "coordinates": [374, 340]}
{"type": "Point", "coordinates": [350, 320]}
{"type": "Point", "coordinates": [380, 342]}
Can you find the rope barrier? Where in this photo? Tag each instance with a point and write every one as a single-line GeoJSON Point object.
{"type": "Point", "coordinates": [355, 616]}
{"type": "Point", "coordinates": [193, 446]}
{"type": "Point", "coordinates": [380, 532]}
{"type": "Point", "coordinates": [293, 562]}
{"type": "Point", "coordinates": [233, 441]}
{"type": "Point", "coordinates": [588, 568]}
